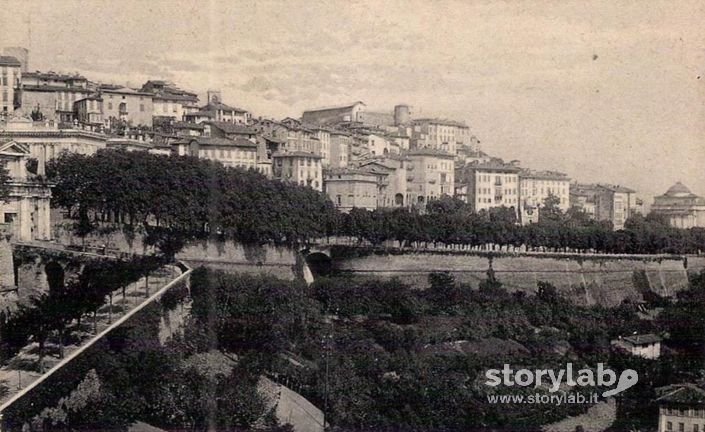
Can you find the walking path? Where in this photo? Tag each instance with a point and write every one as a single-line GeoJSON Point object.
{"type": "Point", "coordinates": [23, 370]}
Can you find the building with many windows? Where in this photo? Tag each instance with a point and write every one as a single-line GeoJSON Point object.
{"type": "Point", "coordinates": [535, 187]}
{"type": "Point", "coordinates": [128, 105]}
{"type": "Point", "coordinates": [340, 143]}
{"type": "Point", "coordinates": [681, 207]}
{"type": "Point", "coordinates": [439, 134]}
{"type": "Point", "coordinates": [392, 184]}
{"type": "Point", "coordinates": [235, 153]}
{"type": "Point", "coordinates": [10, 80]}
{"type": "Point", "coordinates": [489, 185]}
{"type": "Point", "coordinates": [610, 203]}
{"type": "Point", "coordinates": [430, 175]}
{"type": "Point", "coordinates": [52, 94]}
{"type": "Point", "coordinates": [681, 408]}
{"type": "Point", "coordinates": [298, 167]}
{"type": "Point", "coordinates": [350, 188]}
{"type": "Point", "coordinates": [169, 101]}
{"type": "Point", "coordinates": [89, 111]}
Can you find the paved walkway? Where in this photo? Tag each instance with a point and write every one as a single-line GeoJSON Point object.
{"type": "Point", "coordinates": [23, 369]}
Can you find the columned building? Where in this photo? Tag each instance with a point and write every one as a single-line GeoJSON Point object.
{"type": "Point", "coordinates": [26, 212]}
{"type": "Point", "coordinates": [681, 207]}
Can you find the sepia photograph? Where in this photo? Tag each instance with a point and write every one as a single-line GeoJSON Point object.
{"type": "Point", "coordinates": [352, 216]}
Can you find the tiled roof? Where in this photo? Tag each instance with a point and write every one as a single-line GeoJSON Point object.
{"type": "Point", "coordinates": [232, 128]}
{"type": "Point", "coordinates": [645, 339]}
{"type": "Point", "coordinates": [549, 175]}
{"type": "Point", "coordinates": [686, 394]}
{"type": "Point", "coordinates": [330, 108]}
{"type": "Point", "coordinates": [186, 125]}
{"type": "Point", "coordinates": [122, 90]}
{"type": "Point", "coordinates": [443, 122]}
{"type": "Point", "coordinates": [221, 106]}
{"type": "Point", "coordinates": [221, 142]}
{"type": "Point", "coordinates": [430, 152]}
{"type": "Point", "coordinates": [9, 61]}
{"type": "Point", "coordinates": [54, 76]}
{"type": "Point", "coordinates": [296, 154]}
{"type": "Point", "coordinates": [200, 113]}
{"type": "Point", "coordinates": [55, 88]}
{"type": "Point", "coordinates": [617, 188]}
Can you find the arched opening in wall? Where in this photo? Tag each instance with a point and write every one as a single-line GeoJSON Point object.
{"type": "Point", "coordinates": [55, 277]}
{"type": "Point", "coordinates": [399, 199]}
{"type": "Point", "coordinates": [319, 263]}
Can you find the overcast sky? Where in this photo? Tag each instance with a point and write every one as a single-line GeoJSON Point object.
{"type": "Point", "coordinates": [609, 91]}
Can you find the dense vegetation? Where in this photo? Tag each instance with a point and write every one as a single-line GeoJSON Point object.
{"type": "Point", "coordinates": [55, 313]}
{"type": "Point", "coordinates": [452, 222]}
{"type": "Point", "coordinates": [129, 376]}
{"type": "Point", "coordinates": [174, 199]}
{"type": "Point", "coordinates": [373, 354]}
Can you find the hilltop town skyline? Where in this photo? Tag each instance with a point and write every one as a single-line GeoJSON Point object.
{"type": "Point", "coordinates": [599, 92]}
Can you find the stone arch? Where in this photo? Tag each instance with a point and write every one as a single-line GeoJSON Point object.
{"type": "Point", "coordinates": [55, 276]}
{"type": "Point", "coordinates": [319, 263]}
{"type": "Point", "coordinates": [399, 199]}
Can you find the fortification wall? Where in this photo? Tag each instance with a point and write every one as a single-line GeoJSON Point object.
{"type": "Point", "coordinates": [585, 280]}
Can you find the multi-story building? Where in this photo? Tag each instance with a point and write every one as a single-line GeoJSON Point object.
{"type": "Point", "coordinates": [323, 136]}
{"type": "Point", "coordinates": [228, 130]}
{"type": "Point", "coordinates": [10, 79]}
{"type": "Point", "coordinates": [391, 175]}
{"type": "Point", "coordinates": [354, 112]}
{"type": "Point", "coordinates": [126, 104]}
{"type": "Point", "coordinates": [219, 112]}
{"type": "Point", "coordinates": [536, 186]}
{"type": "Point", "coordinates": [340, 143]}
{"type": "Point", "coordinates": [235, 153]}
{"type": "Point", "coordinates": [681, 408]}
{"type": "Point", "coordinates": [170, 101]}
{"type": "Point", "coordinates": [351, 188]}
{"type": "Point", "coordinates": [27, 210]}
{"type": "Point", "coordinates": [439, 134]}
{"type": "Point", "coordinates": [52, 94]}
{"type": "Point", "coordinates": [611, 203]}
{"type": "Point", "coordinates": [89, 111]}
{"type": "Point", "coordinates": [489, 185]}
{"type": "Point", "coordinates": [298, 167]}
{"type": "Point", "coordinates": [430, 175]}
{"type": "Point", "coordinates": [681, 207]}
{"type": "Point", "coordinates": [46, 142]}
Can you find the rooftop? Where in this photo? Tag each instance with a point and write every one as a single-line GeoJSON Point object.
{"type": "Point", "coordinates": [679, 190]}
{"type": "Point", "coordinates": [222, 107]}
{"type": "Point", "coordinates": [430, 152]}
{"type": "Point", "coordinates": [9, 61]}
{"type": "Point", "coordinates": [493, 165]}
{"type": "Point", "coordinates": [296, 154]}
{"type": "Point", "coordinates": [51, 75]}
{"type": "Point", "coordinates": [438, 121]}
{"type": "Point", "coordinates": [645, 339]}
{"type": "Point", "coordinates": [328, 108]}
{"type": "Point", "coordinates": [232, 128]}
{"type": "Point", "coordinates": [550, 175]}
{"type": "Point", "coordinates": [220, 142]}
{"type": "Point", "coordinates": [616, 188]}
{"type": "Point", "coordinates": [687, 394]}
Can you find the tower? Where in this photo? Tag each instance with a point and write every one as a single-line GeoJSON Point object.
{"type": "Point", "coordinates": [402, 114]}
{"type": "Point", "coordinates": [214, 96]}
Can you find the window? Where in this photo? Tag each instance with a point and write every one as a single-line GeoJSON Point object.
{"type": "Point", "coordinates": [110, 105]}
{"type": "Point", "coordinates": [681, 427]}
{"type": "Point", "coordinates": [669, 426]}
{"type": "Point", "coordinates": [696, 428]}
{"type": "Point", "coordinates": [142, 107]}
{"type": "Point", "coordinates": [4, 95]}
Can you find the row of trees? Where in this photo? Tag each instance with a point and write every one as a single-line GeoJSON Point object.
{"type": "Point", "coordinates": [53, 313]}
{"type": "Point", "coordinates": [452, 222]}
{"type": "Point", "coordinates": [174, 199]}
{"type": "Point", "coordinates": [177, 198]}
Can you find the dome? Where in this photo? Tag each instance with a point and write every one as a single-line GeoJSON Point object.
{"type": "Point", "coordinates": [678, 189]}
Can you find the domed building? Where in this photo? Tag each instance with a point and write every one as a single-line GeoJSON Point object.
{"type": "Point", "coordinates": [683, 208]}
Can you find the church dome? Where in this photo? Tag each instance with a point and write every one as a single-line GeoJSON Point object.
{"type": "Point", "coordinates": [678, 189]}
